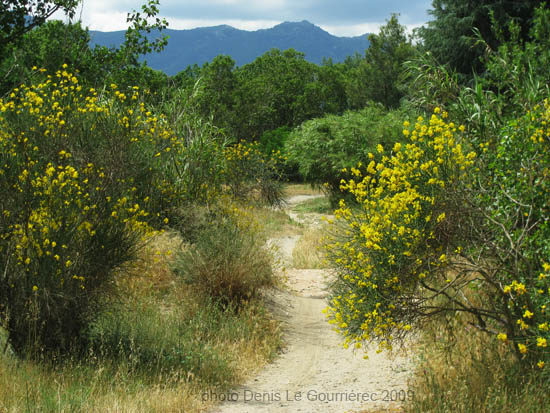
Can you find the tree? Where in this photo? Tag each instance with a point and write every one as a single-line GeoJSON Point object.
{"type": "Point", "coordinates": [217, 90]}
{"type": "Point", "coordinates": [55, 43]}
{"type": "Point", "coordinates": [17, 17]}
{"type": "Point", "coordinates": [48, 47]}
{"type": "Point", "coordinates": [377, 77]}
{"type": "Point", "coordinates": [451, 38]}
{"type": "Point", "coordinates": [268, 91]}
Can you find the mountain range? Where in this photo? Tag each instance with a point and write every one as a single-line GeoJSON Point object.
{"type": "Point", "coordinates": [197, 46]}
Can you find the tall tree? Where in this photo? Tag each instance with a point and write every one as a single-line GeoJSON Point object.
{"type": "Point", "coordinates": [268, 91]}
{"type": "Point", "coordinates": [377, 77]}
{"type": "Point", "coordinates": [217, 90]}
{"type": "Point", "coordinates": [450, 36]}
{"type": "Point", "coordinates": [17, 17]}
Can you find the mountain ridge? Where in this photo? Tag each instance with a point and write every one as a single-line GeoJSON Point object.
{"type": "Point", "coordinates": [197, 46]}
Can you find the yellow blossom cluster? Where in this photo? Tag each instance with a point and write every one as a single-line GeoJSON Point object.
{"type": "Point", "coordinates": [385, 241]}
{"type": "Point", "coordinates": [246, 168]}
{"type": "Point", "coordinates": [80, 186]}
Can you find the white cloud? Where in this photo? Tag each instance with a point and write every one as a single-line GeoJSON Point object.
{"type": "Point", "coordinates": [352, 29]}
{"type": "Point", "coordinates": [345, 18]}
{"type": "Point", "coordinates": [362, 28]}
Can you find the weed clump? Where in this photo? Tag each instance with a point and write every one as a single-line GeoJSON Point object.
{"type": "Point", "coordinates": [228, 262]}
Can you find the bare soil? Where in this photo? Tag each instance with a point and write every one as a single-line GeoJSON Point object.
{"type": "Point", "coordinates": [314, 373]}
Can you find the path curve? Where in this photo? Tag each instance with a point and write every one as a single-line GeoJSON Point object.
{"type": "Point", "coordinates": [314, 373]}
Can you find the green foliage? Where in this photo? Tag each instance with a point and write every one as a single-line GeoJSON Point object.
{"type": "Point", "coordinates": [514, 81]}
{"type": "Point", "coordinates": [268, 91]}
{"type": "Point", "coordinates": [277, 90]}
{"type": "Point", "coordinates": [378, 76]}
{"type": "Point", "coordinates": [274, 140]}
{"type": "Point", "coordinates": [280, 89]}
{"type": "Point", "coordinates": [273, 143]}
{"type": "Point", "coordinates": [323, 148]}
{"type": "Point", "coordinates": [216, 97]}
{"type": "Point", "coordinates": [82, 178]}
{"type": "Point", "coordinates": [209, 165]}
{"type": "Point", "coordinates": [450, 36]}
{"type": "Point", "coordinates": [513, 207]}
{"type": "Point", "coordinates": [432, 230]}
{"type": "Point", "coordinates": [228, 261]}
{"type": "Point", "coordinates": [136, 41]}
{"type": "Point", "coordinates": [18, 17]}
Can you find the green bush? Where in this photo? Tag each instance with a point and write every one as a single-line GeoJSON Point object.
{"type": "Point", "coordinates": [153, 343]}
{"type": "Point", "coordinates": [323, 148]}
{"type": "Point", "coordinates": [228, 262]}
{"type": "Point", "coordinates": [274, 140]}
{"type": "Point", "coordinates": [81, 181]}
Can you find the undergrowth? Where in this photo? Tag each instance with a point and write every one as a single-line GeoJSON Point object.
{"type": "Point", "coordinates": [156, 347]}
{"type": "Point", "coordinates": [460, 369]}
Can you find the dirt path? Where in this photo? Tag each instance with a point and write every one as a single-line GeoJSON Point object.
{"type": "Point", "coordinates": [314, 373]}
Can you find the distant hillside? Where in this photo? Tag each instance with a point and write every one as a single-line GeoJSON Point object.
{"type": "Point", "coordinates": [187, 47]}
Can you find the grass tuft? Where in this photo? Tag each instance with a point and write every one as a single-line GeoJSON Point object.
{"type": "Point", "coordinates": [155, 346]}
{"type": "Point", "coordinates": [308, 251]}
{"type": "Point", "coordinates": [320, 205]}
{"type": "Point", "coordinates": [461, 369]}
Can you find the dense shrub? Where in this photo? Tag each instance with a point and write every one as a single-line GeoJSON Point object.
{"type": "Point", "coordinates": [274, 140]}
{"type": "Point", "coordinates": [437, 233]}
{"type": "Point", "coordinates": [393, 239]}
{"type": "Point", "coordinates": [228, 262]}
{"type": "Point", "coordinates": [80, 182]}
{"type": "Point", "coordinates": [324, 149]}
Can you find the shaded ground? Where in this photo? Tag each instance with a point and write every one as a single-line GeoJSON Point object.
{"type": "Point", "coordinates": [314, 373]}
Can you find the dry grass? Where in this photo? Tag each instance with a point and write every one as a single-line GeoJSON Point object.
{"type": "Point", "coordinates": [300, 189]}
{"type": "Point", "coordinates": [27, 387]}
{"type": "Point", "coordinates": [460, 369]}
{"type": "Point", "coordinates": [158, 308]}
{"type": "Point", "coordinates": [308, 252]}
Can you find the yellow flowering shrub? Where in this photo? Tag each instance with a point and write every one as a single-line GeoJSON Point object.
{"type": "Point", "coordinates": [80, 183]}
{"type": "Point", "coordinates": [393, 241]}
{"type": "Point", "coordinates": [248, 172]}
{"type": "Point", "coordinates": [438, 230]}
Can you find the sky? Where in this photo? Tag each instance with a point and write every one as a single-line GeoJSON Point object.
{"type": "Point", "coordinates": [340, 17]}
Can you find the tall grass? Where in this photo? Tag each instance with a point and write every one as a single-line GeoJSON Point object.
{"type": "Point", "coordinates": [228, 263]}
{"type": "Point", "coordinates": [460, 369]}
{"type": "Point", "coordinates": [155, 346]}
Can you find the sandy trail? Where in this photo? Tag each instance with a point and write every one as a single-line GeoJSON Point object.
{"type": "Point", "coordinates": [314, 373]}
